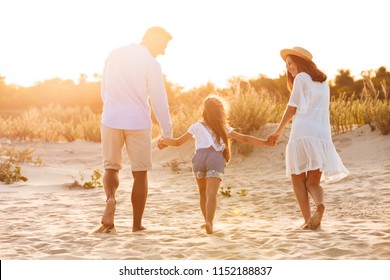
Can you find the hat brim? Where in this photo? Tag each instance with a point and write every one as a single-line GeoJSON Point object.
{"type": "Point", "coordinates": [286, 52]}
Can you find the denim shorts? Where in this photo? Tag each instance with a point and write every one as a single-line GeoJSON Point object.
{"type": "Point", "coordinates": [208, 163]}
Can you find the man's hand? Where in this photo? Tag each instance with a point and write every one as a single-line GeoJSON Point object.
{"type": "Point", "coordinates": [160, 145]}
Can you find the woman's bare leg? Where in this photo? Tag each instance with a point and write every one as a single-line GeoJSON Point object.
{"type": "Point", "coordinates": [317, 193]}
{"type": "Point", "coordinates": [301, 195]}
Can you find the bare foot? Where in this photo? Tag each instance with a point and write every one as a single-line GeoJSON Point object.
{"type": "Point", "coordinates": [108, 215]}
{"type": "Point", "coordinates": [303, 226]}
{"type": "Point", "coordinates": [315, 220]}
{"type": "Point", "coordinates": [106, 229]}
{"type": "Point", "coordinates": [138, 228]}
{"type": "Point", "coordinates": [203, 226]}
{"type": "Point", "coordinates": [209, 227]}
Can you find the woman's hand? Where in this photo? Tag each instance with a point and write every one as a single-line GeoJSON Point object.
{"type": "Point", "coordinates": [270, 142]}
{"type": "Point", "coordinates": [274, 137]}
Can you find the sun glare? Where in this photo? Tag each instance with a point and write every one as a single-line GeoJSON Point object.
{"type": "Point", "coordinates": [212, 41]}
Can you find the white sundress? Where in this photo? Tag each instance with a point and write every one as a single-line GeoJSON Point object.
{"type": "Point", "coordinates": [310, 145]}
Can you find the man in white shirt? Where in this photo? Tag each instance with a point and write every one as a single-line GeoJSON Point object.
{"type": "Point", "coordinates": [131, 76]}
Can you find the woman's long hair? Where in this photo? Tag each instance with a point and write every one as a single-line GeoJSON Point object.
{"type": "Point", "coordinates": [215, 117]}
{"type": "Point", "coordinates": [308, 67]}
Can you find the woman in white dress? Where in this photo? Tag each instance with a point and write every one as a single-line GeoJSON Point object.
{"type": "Point", "coordinates": [310, 154]}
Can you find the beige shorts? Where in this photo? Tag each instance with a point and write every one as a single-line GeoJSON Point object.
{"type": "Point", "coordinates": [138, 145]}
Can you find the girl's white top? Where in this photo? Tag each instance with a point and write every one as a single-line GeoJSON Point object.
{"type": "Point", "coordinates": [310, 146]}
{"type": "Point", "coordinates": [205, 137]}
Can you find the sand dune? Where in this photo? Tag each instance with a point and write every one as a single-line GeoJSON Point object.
{"type": "Point", "coordinates": [43, 219]}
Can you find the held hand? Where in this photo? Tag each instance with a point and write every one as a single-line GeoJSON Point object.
{"type": "Point", "coordinates": [274, 137]}
{"type": "Point", "coordinates": [160, 143]}
{"type": "Point", "coordinates": [271, 142]}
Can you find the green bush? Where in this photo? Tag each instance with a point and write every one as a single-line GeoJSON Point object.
{"type": "Point", "coordinates": [10, 172]}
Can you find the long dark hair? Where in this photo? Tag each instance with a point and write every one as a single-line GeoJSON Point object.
{"type": "Point", "coordinates": [215, 117]}
{"type": "Point", "coordinates": [308, 67]}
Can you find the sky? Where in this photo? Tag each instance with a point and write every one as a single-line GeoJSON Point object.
{"type": "Point", "coordinates": [213, 40]}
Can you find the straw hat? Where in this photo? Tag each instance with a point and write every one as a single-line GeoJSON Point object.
{"type": "Point", "coordinates": [298, 51]}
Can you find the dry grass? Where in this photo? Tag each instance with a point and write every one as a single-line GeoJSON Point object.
{"type": "Point", "coordinates": [249, 111]}
{"type": "Point", "coordinates": [348, 113]}
{"type": "Point", "coordinates": [52, 123]}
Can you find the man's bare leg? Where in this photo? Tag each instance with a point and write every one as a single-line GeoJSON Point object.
{"type": "Point", "coordinates": [139, 195]}
{"type": "Point", "coordinates": [110, 183]}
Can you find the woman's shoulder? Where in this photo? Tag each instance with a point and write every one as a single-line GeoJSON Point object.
{"type": "Point", "coordinates": [302, 76]}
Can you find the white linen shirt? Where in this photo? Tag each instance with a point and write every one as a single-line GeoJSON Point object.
{"type": "Point", "coordinates": [204, 138]}
{"type": "Point", "coordinates": [131, 76]}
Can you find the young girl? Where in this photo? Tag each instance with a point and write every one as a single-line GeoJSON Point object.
{"type": "Point", "coordinates": [212, 152]}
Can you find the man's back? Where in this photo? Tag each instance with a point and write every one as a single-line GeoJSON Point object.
{"type": "Point", "coordinates": [127, 76]}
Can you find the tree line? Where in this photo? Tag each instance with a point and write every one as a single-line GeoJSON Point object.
{"type": "Point", "coordinates": [84, 93]}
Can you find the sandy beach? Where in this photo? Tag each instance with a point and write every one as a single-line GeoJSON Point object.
{"type": "Point", "coordinates": [43, 219]}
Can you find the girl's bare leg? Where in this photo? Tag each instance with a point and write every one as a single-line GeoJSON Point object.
{"type": "Point", "coordinates": [202, 195]}
{"type": "Point", "coordinates": [211, 203]}
{"type": "Point", "coordinates": [301, 194]}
